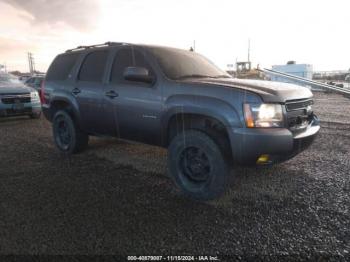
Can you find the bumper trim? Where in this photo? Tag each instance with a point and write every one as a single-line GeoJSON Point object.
{"type": "Point", "coordinates": [312, 130]}
{"type": "Point", "coordinates": [280, 143]}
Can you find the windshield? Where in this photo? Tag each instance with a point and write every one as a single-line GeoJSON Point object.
{"type": "Point", "coordinates": [8, 78]}
{"type": "Point", "coordinates": [180, 64]}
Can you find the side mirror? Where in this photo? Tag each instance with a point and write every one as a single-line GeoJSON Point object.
{"type": "Point", "coordinates": [137, 74]}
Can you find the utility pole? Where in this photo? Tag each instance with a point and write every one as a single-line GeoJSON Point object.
{"type": "Point", "coordinates": [193, 48]}
{"type": "Point", "coordinates": [31, 63]}
{"type": "Point", "coordinates": [248, 49]}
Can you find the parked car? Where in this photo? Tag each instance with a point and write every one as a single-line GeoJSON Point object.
{"type": "Point", "coordinates": [17, 99]}
{"type": "Point", "coordinates": [179, 100]}
{"type": "Point", "coordinates": [24, 78]}
{"type": "Point", "coordinates": [35, 82]}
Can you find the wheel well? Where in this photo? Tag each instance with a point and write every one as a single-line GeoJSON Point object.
{"type": "Point", "coordinates": [60, 105]}
{"type": "Point", "coordinates": [211, 126]}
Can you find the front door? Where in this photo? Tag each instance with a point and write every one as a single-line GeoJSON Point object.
{"type": "Point", "coordinates": [135, 106]}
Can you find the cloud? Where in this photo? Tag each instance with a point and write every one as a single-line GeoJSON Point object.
{"type": "Point", "coordinates": [10, 46]}
{"type": "Point", "coordinates": [79, 14]}
{"type": "Point", "coordinates": [13, 52]}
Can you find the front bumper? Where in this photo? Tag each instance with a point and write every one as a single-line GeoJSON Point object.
{"type": "Point", "coordinates": [248, 144]}
{"type": "Point", "coordinates": [8, 110]}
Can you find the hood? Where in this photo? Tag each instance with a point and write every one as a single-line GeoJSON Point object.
{"type": "Point", "coordinates": [13, 88]}
{"type": "Point", "coordinates": [269, 91]}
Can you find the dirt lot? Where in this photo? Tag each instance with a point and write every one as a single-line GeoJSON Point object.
{"type": "Point", "coordinates": [117, 199]}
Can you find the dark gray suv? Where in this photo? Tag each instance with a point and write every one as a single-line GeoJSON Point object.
{"type": "Point", "coordinates": [179, 100]}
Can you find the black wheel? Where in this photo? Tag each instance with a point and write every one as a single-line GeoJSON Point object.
{"type": "Point", "coordinates": [197, 165]}
{"type": "Point", "coordinates": [35, 115]}
{"type": "Point", "coordinates": [68, 138]}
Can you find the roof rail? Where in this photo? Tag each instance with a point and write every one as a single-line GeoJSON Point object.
{"type": "Point", "coordinates": [83, 47]}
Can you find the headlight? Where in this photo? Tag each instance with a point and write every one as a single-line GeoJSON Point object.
{"type": "Point", "coordinates": [34, 95]}
{"type": "Point", "coordinates": [263, 115]}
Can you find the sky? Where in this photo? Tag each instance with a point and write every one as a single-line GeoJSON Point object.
{"type": "Point", "coordinates": [312, 32]}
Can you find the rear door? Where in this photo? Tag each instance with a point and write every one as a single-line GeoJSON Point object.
{"type": "Point", "coordinates": [137, 105]}
{"type": "Point", "coordinates": [88, 91]}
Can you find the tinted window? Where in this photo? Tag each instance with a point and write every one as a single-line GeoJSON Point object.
{"type": "Point", "coordinates": [177, 64]}
{"type": "Point", "coordinates": [125, 58]}
{"type": "Point", "coordinates": [30, 81]}
{"type": "Point", "coordinates": [93, 66]}
{"type": "Point", "coordinates": [61, 67]}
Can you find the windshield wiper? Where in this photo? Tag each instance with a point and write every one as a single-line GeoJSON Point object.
{"type": "Point", "coordinates": [192, 76]}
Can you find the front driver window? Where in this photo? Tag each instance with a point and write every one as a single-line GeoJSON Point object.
{"type": "Point", "coordinates": [127, 57]}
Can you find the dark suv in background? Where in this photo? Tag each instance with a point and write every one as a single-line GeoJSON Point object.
{"type": "Point", "coordinates": [179, 100]}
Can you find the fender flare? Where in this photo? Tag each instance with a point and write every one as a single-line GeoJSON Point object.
{"type": "Point", "coordinates": [73, 106]}
{"type": "Point", "coordinates": [199, 105]}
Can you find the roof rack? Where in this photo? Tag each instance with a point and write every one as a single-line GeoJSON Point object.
{"type": "Point", "coordinates": [83, 47]}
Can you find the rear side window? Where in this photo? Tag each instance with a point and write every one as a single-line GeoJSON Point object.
{"type": "Point", "coordinates": [125, 58]}
{"type": "Point", "coordinates": [61, 67]}
{"type": "Point", "coordinates": [93, 66]}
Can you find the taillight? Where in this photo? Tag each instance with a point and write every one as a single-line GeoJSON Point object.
{"type": "Point", "coordinates": [42, 92]}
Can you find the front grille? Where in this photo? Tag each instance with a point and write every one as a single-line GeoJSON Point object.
{"type": "Point", "coordinates": [15, 98]}
{"type": "Point", "coordinates": [299, 114]}
{"type": "Point", "coordinates": [292, 105]}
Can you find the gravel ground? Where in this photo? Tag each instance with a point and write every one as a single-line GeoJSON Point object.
{"type": "Point", "coordinates": [116, 198]}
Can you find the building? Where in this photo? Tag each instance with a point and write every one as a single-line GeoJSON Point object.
{"type": "Point", "coordinates": [301, 70]}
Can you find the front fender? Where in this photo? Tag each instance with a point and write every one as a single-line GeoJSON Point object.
{"type": "Point", "coordinates": [201, 105]}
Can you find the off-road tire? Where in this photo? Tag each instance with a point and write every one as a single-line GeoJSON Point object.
{"type": "Point", "coordinates": [76, 140]}
{"type": "Point", "coordinates": [201, 144]}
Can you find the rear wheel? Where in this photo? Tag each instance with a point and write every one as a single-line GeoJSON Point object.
{"type": "Point", "coordinates": [68, 137]}
{"type": "Point", "coordinates": [197, 165]}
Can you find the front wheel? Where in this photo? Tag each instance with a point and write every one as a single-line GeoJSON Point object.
{"type": "Point", "coordinates": [197, 165]}
{"type": "Point", "coordinates": [68, 137]}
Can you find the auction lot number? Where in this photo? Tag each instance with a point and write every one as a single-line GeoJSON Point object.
{"type": "Point", "coordinates": [173, 258]}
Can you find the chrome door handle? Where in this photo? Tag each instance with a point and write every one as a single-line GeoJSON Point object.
{"type": "Point", "coordinates": [76, 91]}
